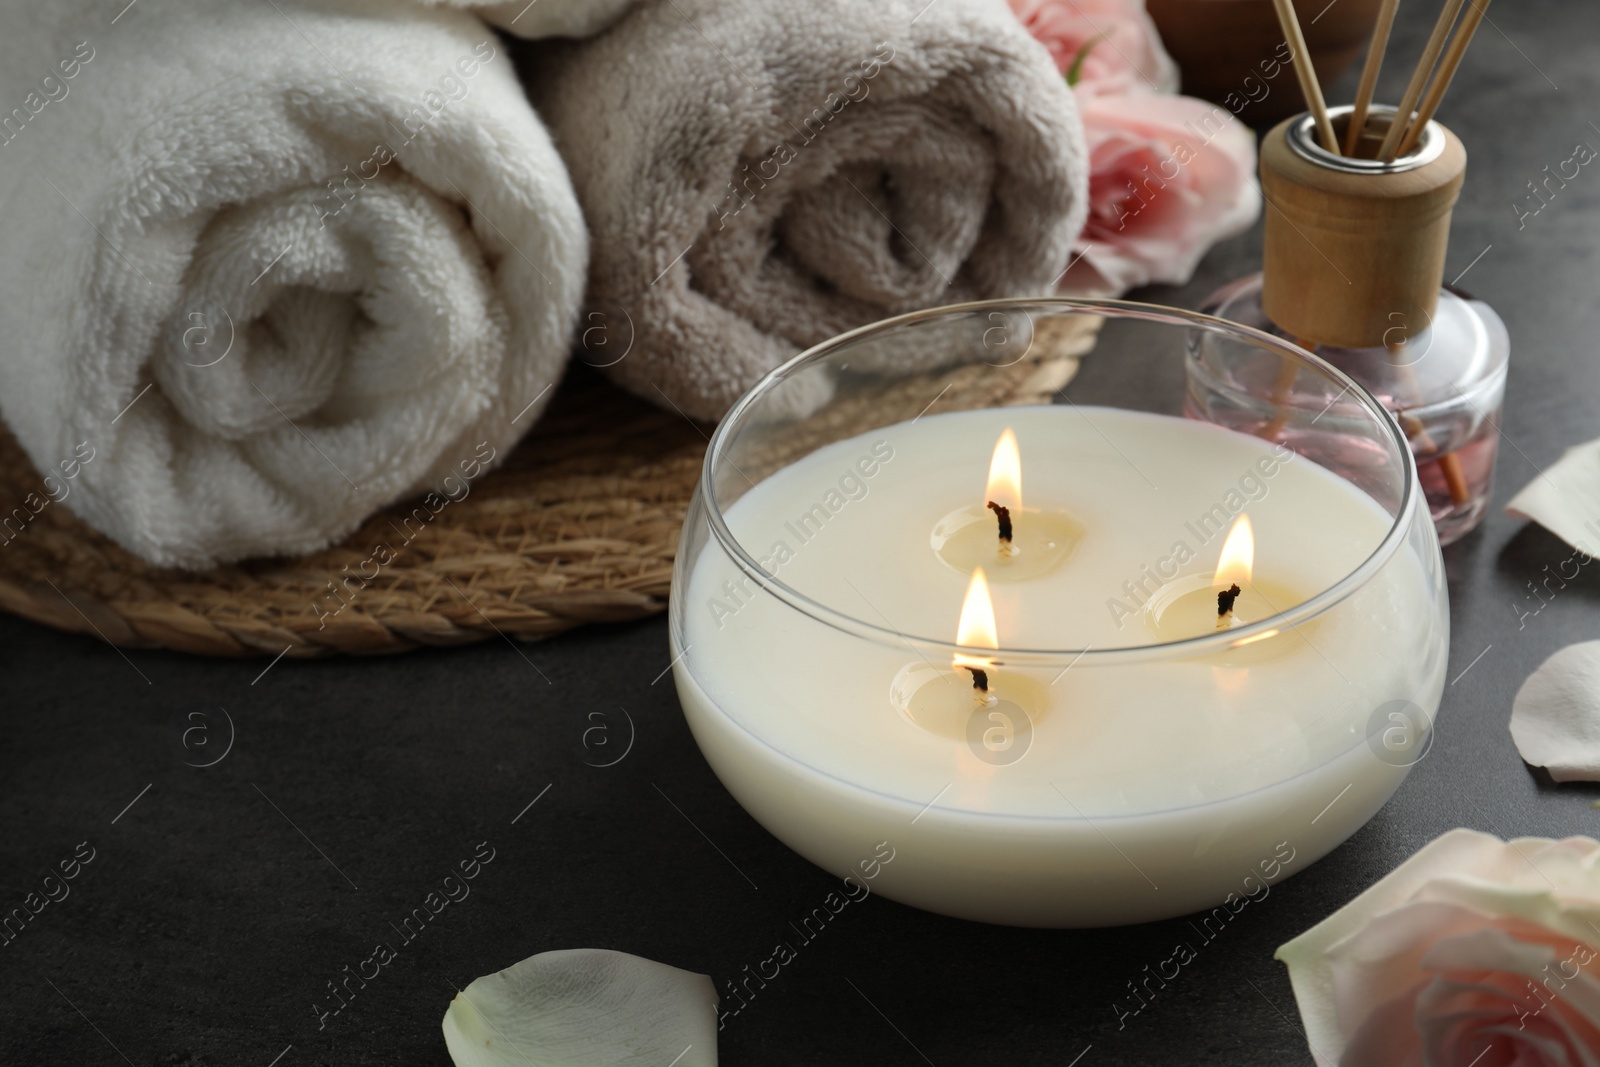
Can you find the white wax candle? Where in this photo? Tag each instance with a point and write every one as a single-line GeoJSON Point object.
{"type": "Point", "coordinates": [1146, 789]}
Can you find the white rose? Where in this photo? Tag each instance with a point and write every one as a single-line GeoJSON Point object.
{"type": "Point", "coordinates": [1475, 952]}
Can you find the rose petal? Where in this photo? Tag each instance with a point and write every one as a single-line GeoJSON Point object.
{"type": "Point", "coordinates": [1384, 958]}
{"type": "Point", "coordinates": [1387, 1036]}
{"type": "Point", "coordinates": [1474, 951]}
{"type": "Point", "coordinates": [1565, 499]}
{"type": "Point", "coordinates": [1125, 54]}
{"type": "Point", "coordinates": [1467, 989]}
{"type": "Point", "coordinates": [1556, 911]}
{"type": "Point", "coordinates": [1555, 719]}
{"type": "Point", "coordinates": [1169, 176]}
{"type": "Point", "coordinates": [1462, 1023]}
{"type": "Point", "coordinates": [1571, 1016]}
{"type": "Point", "coordinates": [583, 1007]}
{"type": "Point", "coordinates": [1310, 971]}
{"type": "Point", "coordinates": [1491, 949]}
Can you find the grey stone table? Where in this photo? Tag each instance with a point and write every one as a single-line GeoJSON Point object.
{"type": "Point", "coordinates": [221, 901]}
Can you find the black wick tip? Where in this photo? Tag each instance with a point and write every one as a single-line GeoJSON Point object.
{"type": "Point", "coordinates": [1226, 598]}
{"type": "Point", "coordinates": [980, 679]}
{"type": "Point", "coordinates": [1004, 515]}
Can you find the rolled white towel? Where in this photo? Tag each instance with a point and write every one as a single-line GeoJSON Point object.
{"type": "Point", "coordinates": [276, 263]}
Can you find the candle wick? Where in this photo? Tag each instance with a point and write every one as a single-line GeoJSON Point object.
{"type": "Point", "coordinates": [1225, 599]}
{"type": "Point", "coordinates": [1003, 514]}
{"type": "Point", "coordinates": [980, 679]}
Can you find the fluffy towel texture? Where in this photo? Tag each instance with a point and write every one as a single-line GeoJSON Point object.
{"type": "Point", "coordinates": [277, 264]}
{"type": "Point", "coordinates": [1555, 719]}
{"type": "Point", "coordinates": [759, 175]}
{"type": "Point", "coordinates": [546, 18]}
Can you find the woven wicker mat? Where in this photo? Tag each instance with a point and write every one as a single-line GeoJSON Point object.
{"type": "Point", "coordinates": [580, 525]}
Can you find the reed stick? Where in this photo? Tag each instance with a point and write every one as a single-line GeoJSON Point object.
{"type": "Point", "coordinates": [1369, 75]}
{"type": "Point", "coordinates": [1287, 373]}
{"type": "Point", "coordinates": [1309, 87]}
{"type": "Point", "coordinates": [1476, 9]}
{"type": "Point", "coordinates": [1455, 479]}
{"type": "Point", "coordinates": [1419, 78]}
{"type": "Point", "coordinates": [1449, 464]}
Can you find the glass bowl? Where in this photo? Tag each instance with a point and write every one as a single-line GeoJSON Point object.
{"type": "Point", "coordinates": [1084, 737]}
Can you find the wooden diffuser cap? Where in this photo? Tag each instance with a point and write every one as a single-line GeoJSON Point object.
{"type": "Point", "coordinates": [1354, 250]}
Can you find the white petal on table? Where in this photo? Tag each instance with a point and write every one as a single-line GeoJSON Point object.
{"type": "Point", "coordinates": [1565, 499]}
{"type": "Point", "coordinates": [1555, 719]}
{"type": "Point", "coordinates": [584, 1008]}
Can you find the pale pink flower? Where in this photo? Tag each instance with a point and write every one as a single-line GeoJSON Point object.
{"type": "Point", "coordinates": [1124, 50]}
{"type": "Point", "coordinates": [1169, 176]}
{"type": "Point", "coordinates": [1475, 952]}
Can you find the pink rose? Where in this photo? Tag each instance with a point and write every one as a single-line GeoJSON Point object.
{"type": "Point", "coordinates": [1169, 176]}
{"type": "Point", "coordinates": [1126, 54]}
{"type": "Point", "coordinates": [1475, 952]}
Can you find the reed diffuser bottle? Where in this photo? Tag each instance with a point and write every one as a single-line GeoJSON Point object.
{"type": "Point", "coordinates": [1352, 270]}
{"type": "Point", "coordinates": [1358, 219]}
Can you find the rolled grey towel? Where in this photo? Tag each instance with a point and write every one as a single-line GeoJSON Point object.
{"type": "Point", "coordinates": [760, 175]}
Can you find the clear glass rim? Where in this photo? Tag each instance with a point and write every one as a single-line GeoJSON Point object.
{"type": "Point", "coordinates": [1206, 644]}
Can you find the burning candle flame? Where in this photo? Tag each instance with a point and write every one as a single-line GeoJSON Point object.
{"type": "Point", "coordinates": [1237, 561]}
{"type": "Point", "coordinates": [1005, 473]}
{"type": "Point", "coordinates": [976, 628]}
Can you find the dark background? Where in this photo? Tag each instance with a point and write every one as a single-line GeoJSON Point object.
{"type": "Point", "coordinates": [208, 922]}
